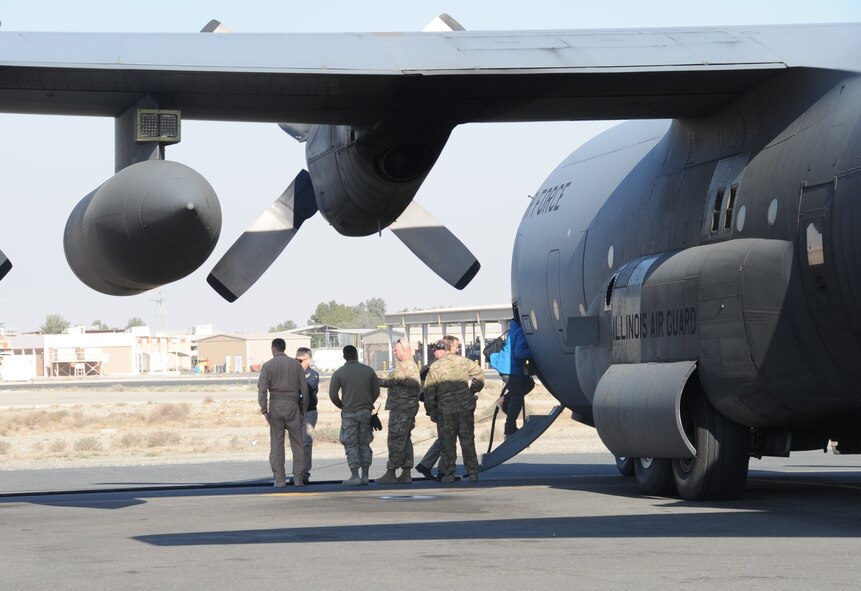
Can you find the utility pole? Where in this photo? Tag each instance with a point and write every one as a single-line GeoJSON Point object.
{"type": "Point", "coordinates": [160, 322]}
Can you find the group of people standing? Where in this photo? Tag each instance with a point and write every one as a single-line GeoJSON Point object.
{"type": "Point", "coordinates": [449, 386]}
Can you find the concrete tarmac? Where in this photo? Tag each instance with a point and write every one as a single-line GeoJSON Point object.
{"type": "Point", "coordinates": [541, 522]}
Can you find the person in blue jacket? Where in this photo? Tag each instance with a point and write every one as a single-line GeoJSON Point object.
{"type": "Point", "coordinates": [509, 362]}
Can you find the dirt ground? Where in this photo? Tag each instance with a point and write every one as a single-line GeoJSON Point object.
{"type": "Point", "coordinates": [212, 423]}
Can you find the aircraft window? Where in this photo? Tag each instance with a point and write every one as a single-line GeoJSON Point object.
{"type": "Point", "coordinates": [716, 210]}
{"type": "Point", "coordinates": [730, 206]}
{"type": "Point", "coordinates": [533, 322]}
{"type": "Point", "coordinates": [772, 212]}
{"type": "Point", "coordinates": [556, 309]}
{"type": "Point", "coordinates": [610, 257]}
{"type": "Point", "coordinates": [582, 309]}
{"type": "Point", "coordinates": [815, 253]}
{"type": "Point", "coordinates": [739, 219]}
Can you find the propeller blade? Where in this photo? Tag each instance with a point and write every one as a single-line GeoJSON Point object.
{"type": "Point", "coordinates": [258, 247]}
{"type": "Point", "coordinates": [436, 246]}
{"type": "Point", "coordinates": [5, 265]}
{"type": "Point", "coordinates": [215, 26]}
{"type": "Point", "coordinates": [443, 23]}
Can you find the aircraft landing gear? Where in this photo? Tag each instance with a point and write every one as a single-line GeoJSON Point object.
{"type": "Point", "coordinates": [719, 471]}
{"type": "Point", "coordinates": [655, 476]}
{"type": "Point", "coordinates": [625, 465]}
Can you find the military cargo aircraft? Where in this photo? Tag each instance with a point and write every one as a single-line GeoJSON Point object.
{"type": "Point", "coordinates": [688, 281]}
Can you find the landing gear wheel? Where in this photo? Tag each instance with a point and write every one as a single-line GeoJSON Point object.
{"type": "Point", "coordinates": [655, 476]}
{"type": "Point", "coordinates": [625, 465]}
{"type": "Point", "coordinates": [719, 471]}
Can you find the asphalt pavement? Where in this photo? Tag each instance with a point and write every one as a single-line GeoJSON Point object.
{"type": "Point", "coordinates": [539, 522]}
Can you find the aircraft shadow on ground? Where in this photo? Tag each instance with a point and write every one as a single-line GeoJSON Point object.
{"type": "Point", "coordinates": [118, 495]}
{"type": "Point", "coordinates": [766, 492]}
{"type": "Point", "coordinates": [722, 524]}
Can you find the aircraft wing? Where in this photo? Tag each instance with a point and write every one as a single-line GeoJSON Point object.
{"type": "Point", "coordinates": [356, 78]}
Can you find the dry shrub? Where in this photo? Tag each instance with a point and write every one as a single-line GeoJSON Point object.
{"type": "Point", "coordinates": [5, 446]}
{"type": "Point", "coordinates": [88, 444]}
{"type": "Point", "coordinates": [208, 400]}
{"type": "Point", "coordinates": [236, 443]}
{"type": "Point", "coordinates": [166, 413]}
{"type": "Point", "coordinates": [327, 434]}
{"type": "Point", "coordinates": [162, 438]}
{"type": "Point", "coordinates": [130, 440]}
{"type": "Point", "coordinates": [29, 420]}
{"type": "Point", "coordinates": [57, 446]}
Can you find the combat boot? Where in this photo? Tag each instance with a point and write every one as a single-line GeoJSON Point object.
{"type": "Point", "coordinates": [388, 478]}
{"type": "Point", "coordinates": [354, 479]}
{"type": "Point", "coordinates": [449, 478]}
{"type": "Point", "coordinates": [473, 476]}
{"type": "Point", "coordinates": [405, 477]}
{"type": "Point", "coordinates": [364, 479]}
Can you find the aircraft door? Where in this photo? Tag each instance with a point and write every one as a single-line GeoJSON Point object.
{"type": "Point", "coordinates": [819, 264]}
{"type": "Point", "coordinates": [558, 315]}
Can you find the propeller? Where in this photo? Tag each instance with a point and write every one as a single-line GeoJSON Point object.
{"type": "Point", "coordinates": [258, 247]}
{"type": "Point", "coordinates": [435, 245]}
{"type": "Point", "coordinates": [5, 265]}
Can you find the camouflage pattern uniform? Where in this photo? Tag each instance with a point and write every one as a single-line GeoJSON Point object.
{"type": "Point", "coordinates": [450, 389]}
{"type": "Point", "coordinates": [356, 437]}
{"type": "Point", "coordinates": [402, 403]}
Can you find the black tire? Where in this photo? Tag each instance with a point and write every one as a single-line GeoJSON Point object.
{"type": "Point", "coordinates": [719, 471]}
{"type": "Point", "coordinates": [625, 465]}
{"type": "Point", "coordinates": [655, 476]}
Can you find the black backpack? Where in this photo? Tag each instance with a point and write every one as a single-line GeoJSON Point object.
{"type": "Point", "coordinates": [494, 346]}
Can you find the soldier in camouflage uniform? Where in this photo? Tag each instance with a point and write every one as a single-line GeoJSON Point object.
{"type": "Point", "coordinates": [450, 391]}
{"type": "Point", "coordinates": [403, 404]}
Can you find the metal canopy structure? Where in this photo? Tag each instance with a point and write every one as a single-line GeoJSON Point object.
{"type": "Point", "coordinates": [476, 316]}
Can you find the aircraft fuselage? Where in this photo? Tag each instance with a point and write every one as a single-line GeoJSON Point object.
{"type": "Point", "coordinates": [730, 241]}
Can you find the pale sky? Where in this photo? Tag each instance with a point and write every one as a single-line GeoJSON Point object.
{"type": "Point", "coordinates": [479, 187]}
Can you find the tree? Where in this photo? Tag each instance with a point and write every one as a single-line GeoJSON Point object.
{"type": "Point", "coordinates": [368, 314]}
{"type": "Point", "coordinates": [134, 321]}
{"type": "Point", "coordinates": [286, 325]}
{"type": "Point", "coordinates": [54, 324]}
{"type": "Point", "coordinates": [333, 314]}
{"type": "Point", "coordinates": [99, 325]}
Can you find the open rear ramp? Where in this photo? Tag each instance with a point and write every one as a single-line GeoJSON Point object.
{"type": "Point", "coordinates": [531, 430]}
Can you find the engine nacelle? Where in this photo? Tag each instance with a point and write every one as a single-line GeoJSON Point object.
{"type": "Point", "coordinates": [151, 223]}
{"type": "Point", "coordinates": [364, 178]}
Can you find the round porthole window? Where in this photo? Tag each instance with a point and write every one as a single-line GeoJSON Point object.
{"type": "Point", "coordinates": [739, 220]}
{"type": "Point", "coordinates": [555, 309]}
{"type": "Point", "coordinates": [772, 212]}
{"type": "Point", "coordinates": [610, 257]}
{"type": "Point", "coordinates": [534, 320]}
